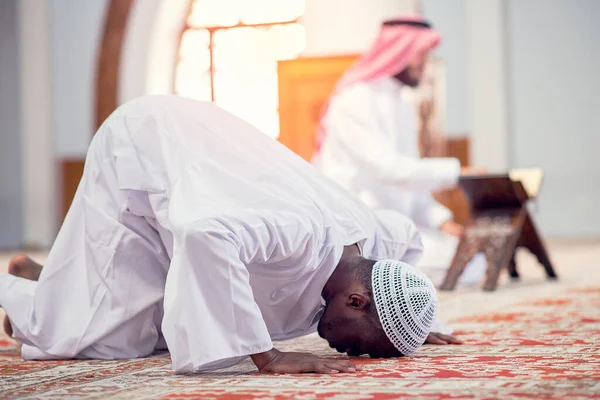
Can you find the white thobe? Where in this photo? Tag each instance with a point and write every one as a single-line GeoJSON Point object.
{"type": "Point", "coordinates": [194, 231]}
{"type": "Point", "coordinates": [371, 148]}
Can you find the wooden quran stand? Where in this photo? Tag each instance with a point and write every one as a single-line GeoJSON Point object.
{"type": "Point", "coordinates": [500, 224]}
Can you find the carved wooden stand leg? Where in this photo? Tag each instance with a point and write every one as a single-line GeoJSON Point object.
{"type": "Point", "coordinates": [530, 239]}
{"type": "Point", "coordinates": [502, 244]}
{"type": "Point", "coordinates": [468, 246]}
{"type": "Point", "coordinates": [498, 253]}
{"type": "Point", "coordinates": [512, 267]}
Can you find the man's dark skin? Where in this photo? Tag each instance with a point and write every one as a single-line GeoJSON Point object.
{"type": "Point", "coordinates": [349, 323]}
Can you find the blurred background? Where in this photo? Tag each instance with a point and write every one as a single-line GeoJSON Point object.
{"type": "Point", "coordinates": [517, 79]}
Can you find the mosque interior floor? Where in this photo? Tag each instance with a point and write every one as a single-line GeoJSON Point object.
{"type": "Point", "coordinates": [528, 339]}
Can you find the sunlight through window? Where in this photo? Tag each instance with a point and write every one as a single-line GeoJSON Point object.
{"type": "Point", "coordinates": [229, 52]}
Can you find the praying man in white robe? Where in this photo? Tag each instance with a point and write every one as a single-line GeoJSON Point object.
{"type": "Point", "coordinates": [192, 231]}
{"type": "Point", "coordinates": [369, 143]}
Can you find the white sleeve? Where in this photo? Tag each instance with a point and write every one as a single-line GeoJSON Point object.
{"type": "Point", "coordinates": [428, 213]}
{"type": "Point", "coordinates": [211, 320]}
{"type": "Point", "coordinates": [354, 120]}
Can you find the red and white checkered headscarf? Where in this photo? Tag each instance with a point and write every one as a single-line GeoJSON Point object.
{"type": "Point", "coordinates": [399, 41]}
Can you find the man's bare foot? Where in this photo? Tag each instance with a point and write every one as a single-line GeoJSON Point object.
{"type": "Point", "coordinates": [23, 267]}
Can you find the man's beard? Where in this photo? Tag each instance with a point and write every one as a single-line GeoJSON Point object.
{"type": "Point", "coordinates": [406, 79]}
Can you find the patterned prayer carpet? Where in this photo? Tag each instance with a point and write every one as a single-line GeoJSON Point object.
{"type": "Point", "coordinates": [532, 339]}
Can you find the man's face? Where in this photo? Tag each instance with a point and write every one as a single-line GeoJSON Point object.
{"type": "Point", "coordinates": [413, 73]}
{"type": "Point", "coordinates": [349, 331]}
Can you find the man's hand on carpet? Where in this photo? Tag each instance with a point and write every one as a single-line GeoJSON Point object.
{"type": "Point", "coordinates": [277, 362]}
{"type": "Point", "coordinates": [452, 228]}
{"type": "Point", "coordinates": [473, 171]}
{"type": "Point", "coordinates": [438, 338]}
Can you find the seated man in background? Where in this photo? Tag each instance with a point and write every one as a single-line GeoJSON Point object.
{"type": "Point", "coordinates": [194, 232]}
{"type": "Point", "coordinates": [369, 142]}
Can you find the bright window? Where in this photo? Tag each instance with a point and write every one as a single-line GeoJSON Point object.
{"type": "Point", "coordinates": [229, 52]}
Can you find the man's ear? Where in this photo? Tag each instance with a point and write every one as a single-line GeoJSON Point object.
{"type": "Point", "coordinates": [358, 301]}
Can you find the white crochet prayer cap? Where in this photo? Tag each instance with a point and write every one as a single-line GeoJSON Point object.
{"type": "Point", "coordinates": [406, 302]}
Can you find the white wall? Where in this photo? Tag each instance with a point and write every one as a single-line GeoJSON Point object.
{"type": "Point", "coordinates": [486, 67]}
{"type": "Point", "coordinates": [58, 46]}
{"type": "Point", "coordinates": [11, 198]}
{"type": "Point", "coordinates": [76, 33]}
{"type": "Point", "coordinates": [450, 19]}
{"type": "Point", "coordinates": [474, 51]}
{"type": "Point", "coordinates": [27, 162]}
{"type": "Point", "coordinates": [554, 60]}
{"type": "Point", "coordinates": [347, 27]}
{"type": "Point", "coordinates": [39, 184]}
